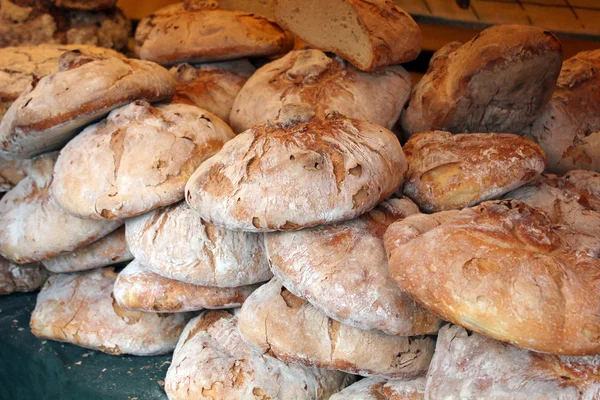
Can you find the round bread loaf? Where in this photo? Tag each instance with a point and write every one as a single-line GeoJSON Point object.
{"type": "Point", "coordinates": [447, 171]}
{"type": "Point", "coordinates": [33, 227]}
{"type": "Point", "coordinates": [80, 309]}
{"type": "Point", "coordinates": [568, 129]}
{"type": "Point", "coordinates": [342, 269]}
{"type": "Point", "coordinates": [300, 170]}
{"type": "Point", "coordinates": [85, 4]}
{"type": "Point", "coordinates": [211, 86]}
{"type": "Point", "coordinates": [137, 159]}
{"type": "Point", "coordinates": [310, 76]}
{"type": "Point", "coordinates": [381, 389]}
{"type": "Point", "coordinates": [109, 250]}
{"type": "Point", "coordinates": [52, 110]}
{"type": "Point", "coordinates": [471, 366]}
{"type": "Point", "coordinates": [12, 172]}
{"type": "Point", "coordinates": [21, 278]}
{"type": "Point", "coordinates": [496, 82]}
{"type": "Point", "coordinates": [176, 243]}
{"type": "Point", "coordinates": [137, 288]}
{"type": "Point", "coordinates": [275, 322]}
{"type": "Point", "coordinates": [503, 270]}
{"type": "Point", "coordinates": [211, 361]}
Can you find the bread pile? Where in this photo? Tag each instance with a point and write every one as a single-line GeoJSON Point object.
{"type": "Point", "coordinates": [282, 241]}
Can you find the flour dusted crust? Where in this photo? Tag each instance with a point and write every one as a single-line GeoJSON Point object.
{"type": "Point", "coordinates": [79, 308]}
{"type": "Point", "coordinates": [33, 227]}
{"type": "Point", "coordinates": [275, 322]}
{"type": "Point", "coordinates": [211, 361]}
{"type": "Point", "coordinates": [449, 171]}
{"type": "Point", "coordinates": [137, 288]}
{"type": "Point", "coordinates": [21, 278]}
{"type": "Point", "coordinates": [109, 250]}
{"type": "Point", "coordinates": [568, 129]}
{"type": "Point", "coordinates": [300, 170]}
{"type": "Point", "coordinates": [310, 76]}
{"type": "Point", "coordinates": [176, 243]}
{"type": "Point", "coordinates": [85, 4]}
{"type": "Point", "coordinates": [342, 270]}
{"type": "Point", "coordinates": [212, 86]}
{"type": "Point", "coordinates": [12, 171]}
{"type": "Point", "coordinates": [503, 270]}
{"type": "Point", "coordinates": [135, 160]}
{"type": "Point", "coordinates": [53, 110]}
{"type": "Point", "coordinates": [376, 388]}
{"type": "Point", "coordinates": [497, 82]}
{"type": "Point", "coordinates": [472, 366]}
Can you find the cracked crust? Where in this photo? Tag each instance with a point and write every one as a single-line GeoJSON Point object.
{"type": "Point", "coordinates": [139, 289]}
{"type": "Point", "coordinates": [176, 243]}
{"type": "Point", "coordinates": [449, 171]}
{"type": "Point", "coordinates": [21, 278]}
{"type": "Point", "coordinates": [109, 250]}
{"type": "Point", "coordinates": [568, 129]}
{"type": "Point", "coordinates": [381, 389]}
{"type": "Point", "coordinates": [79, 308]}
{"type": "Point", "coordinates": [211, 361]}
{"type": "Point", "coordinates": [471, 366]}
{"type": "Point", "coordinates": [275, 322]}
{"type": "Point", "coordinates": [297, 171]}
{"type": "Point", "coordinates": [33, 227]}
{"type": "Point", "coordinates": [310, 76]}
{"type": "Point", "coordinates": [137, 159]}
{"type": "Point", "coordinates": [502, 269]}
{"type": "Point", "coordinates": [211, 86]}
{"type": "Point", "coordinates": [12, 172]}
{"type": "Point", "coordinates": [53, 110]}
{"type": "Point", "coordinates": [498, 81]}
{"type": "Point", "coordinates": [342, 270]}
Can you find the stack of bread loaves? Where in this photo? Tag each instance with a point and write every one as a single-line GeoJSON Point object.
{"type": "Point", "coordinates": [284, 243]}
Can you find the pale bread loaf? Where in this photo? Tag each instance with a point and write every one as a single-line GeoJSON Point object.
{"type": "Point", "coordinates": [21, 278]}
{"type": "Point", "coordinates": [382, 389]}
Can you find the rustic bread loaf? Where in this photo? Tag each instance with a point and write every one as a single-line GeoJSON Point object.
{"type": "Point", "coordinates": [147, 23]}
{"type": "Point", "coordinates": [138, 289]}
{"type": "Point", "coordinates": [342, 269]}
{"type": "Point", "coordinates": [275, 322]}
{"type": "Point", "coordinates": [502, 269]}
{"type": "Point", "coordinates": [568, 129]}
{"type": "Point", "coordinates": [496, 82]}
{"type": "Point", "coordinates": [212, 362]}
{"type": "Point", "coordinates": [21, 278]}
{"type": "Point", "coordinates": [471, 366]}
{"type": "Point", "coordinates": [79, 308]}
{"type": "Point", "coordinates": [299, 170]}
{"type": "Point", "coordinates": [310, 76]}
{"type": "Point", "coordinates": [371, 34]}
{"type": "Point", "coordinates": [33, 227]}
{"type": "Point", "coordinates": [381, 389]}
{"type": "Point", "coordinates": [109, 250]}
{"type": "Point", "coordinates": [85, 4]}
{"type": "Point", "coordinates": [212, 86]}
{"type": "Point", "coordinates": [137, 159]}
{"type": "Point", "coordinates": [12, 171]}
{"type": "Point", "coordinates": [447, 171]}
{"type": "Point", "coordinates": [51, 111]}
{"type": "Point", "coordinates": [176, 243]}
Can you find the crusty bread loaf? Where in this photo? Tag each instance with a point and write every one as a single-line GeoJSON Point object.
{"type": "Point", "coordinates": [381, 389]}
{"type": "Point", "coordinates": [503, 270]}
{"type": "Point", "coordinates": [471, 366]}
{"type": "Point", "coordinates": [342, 269]}
{"type": "Point", "coordinates": [138, 289]}
{"type": "Point", "coordinates": [147, 23]}
{"type": "Point", "coordinates": [568, 129]}
{"type": "Point", "coordinates": [34, 228]}
{"type": "Point", "coordinates": [85, 4]}
{"type": "Point", "coordinates": [275, 322]}
{"type": "Point", "coordinates": [312, 77]}
{"type": "Point", "coordinates": [371, 34]}
{"type": "Point", "coordinates": [109, 250]}
{"type": "Point", "coordinates": [211, 86]}
{"type": "Point", "coordinates": [51, 111]}
{"type": "Point", "coordinates": [299, 170]}
{"type": "Point", "coordinates": [21, 278]}
{"type": "Point", "coordinates": [176, 243]}
{"type": "Point", "coordinates": [137, 159]}
{"type": "Point", "coordinates": [211, 361]}
{"type": "Point", "coordinates": [12, 171]}
{"type": "Point", "coordinates": [496, 82]}
{"type": "Point", "coordinates": [447, 171]}
{"type": "Point", "coordinates": [79, 308]}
